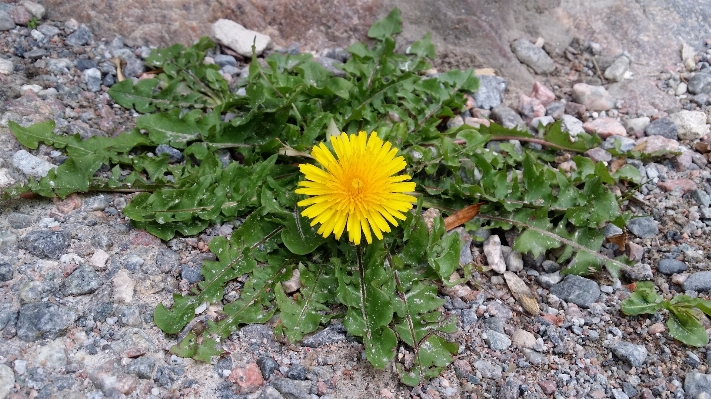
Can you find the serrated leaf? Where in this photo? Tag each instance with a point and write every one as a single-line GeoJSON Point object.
{"type": "Point", "coordinates": [298, 236]}
{"type": "Point", "coordinates": [187, 347]}
{"type": "Point", "coordinates": [380, 347]}
{"type": "Point", "coordinates": [387, 26]}
{"type": "Point", "coordinates": [644, 300]}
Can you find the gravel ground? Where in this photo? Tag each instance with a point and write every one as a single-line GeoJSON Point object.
{"type": "Point", "coordinates": [78, 284]}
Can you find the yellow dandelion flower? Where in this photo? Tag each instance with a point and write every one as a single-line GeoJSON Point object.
{"type": "Point", "coordinates": [357, 190]}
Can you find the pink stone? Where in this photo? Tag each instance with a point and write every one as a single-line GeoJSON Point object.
{"type": "Point", "coordinates": [248, 379]}
{"type": "Point", "coordinates": [98, 260]}
{"type": "Point", "coordinates": [685, 185]}
{"type": "Point", "coordinates": [530, 108]}
{"type": "Point", "coordinates": [656, 328]}
{"type": "Point", "coordinates": [634, 251]}
{"type": "Point", "coordinates": [542, 94]}
{"type": "Point", "coordinates": [595, 98]}
{"type": "Point", "coordinates": [605, 127]}
{"type": "Point", "coordinates": [476, 122]}
{"type": "Point", "coordinates": [654, 144]}
{"type": "Point", "coordinates": [144, 238]}
{"type": "Point", "coordinates": [20, 15]}
{"type": "Point", "coordinates": [683, 161]}
{"type": "Point", "coordinates": [548, 387]}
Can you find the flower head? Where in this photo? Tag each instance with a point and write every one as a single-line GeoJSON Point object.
{"type": "Point", "coordinates": [357, 190]}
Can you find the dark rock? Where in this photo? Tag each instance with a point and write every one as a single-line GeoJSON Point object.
{"type": "Point", "coordinates": [700, 83]}
{"type": "Point", "coordinates": [84, 280]}
{"type": "Point", "coordinates": [267, 366]}
{"type": "Point", "coordinates": [671, 266]}
{"type": "Point", "coordinates": [45, 244]}
{"type": "Point", "coordinates": [165, 376]}
{"type": "Point", "coordinates": [699, 281]}
{"type": "Point", "coordinates": [644, 227]}
{"type": "Point", "coordinates": [329, 335]}
{"type": "Point", "coordinates": [6, 272]}
{"type": "Point", "coordinates": [223, 367]}
{"type": "Point", "coordinates": [555, 109]}
{"type": "Point", "coordinates": [664, 127]}
{"type": "Point", "coordinates": [35, 54]}
{"type": "Point", "coordinates": [549, 266]}
{"type": "Point", "coordinates": [510, 390]}
{"type": "Point", "coordinates": [20, 220]}
{"type": "Point", "coordinates": [44, 321]}
{"type": "Point", "coordinates": [190, 273]}
{"type": "Point", "coordinates": [167, 260]}
{"type": "Point", "coordinates": [109, 80]}
{"type": "Point", "coordinates": [142, 367]}
{"type": "Point", "coordinates": [48, 30]}
{"type": "Point", "coordinates": [638, 272]}
{"type": "Point", "coordinates": [84, 64]}
{"type": "Point", "coordinates": [129, 315]}
{"type": "Point", "coordinates": [296, 372]}
{"type": "Point", "coordinates": [695, 384]}
{"type": "Point", "coordinates": [134, 67]}
{"type": "Point", "coordinates": [102, 311]}
{"type": "Point", "coordinates": [491, 91]}
{"type": "Point", "coordinates": [174, 155]}
{"type": "Point", "coordinates": [80, 37]}
{"type": "Point", "coordinates": [6, 22]}
{"type": "Point", "coordinates": [633, 354]}
{"type": "Point", "coordinates": [578, 290]}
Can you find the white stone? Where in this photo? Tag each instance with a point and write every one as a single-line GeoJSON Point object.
{"type": "Point", "coordinates": [617, 70]}
{"type": "Point", "coordinates": [514, 261]}
{"type": "Point", "coordinates": [680, 89]}
{"type": "Point", "coordinates": [51, 356]}
{"type": "Point", "coordinates": [35, 88]}
{"type": "Point", "coordinates": [494, 254]}
{"type": "Point", "coordinates": [238, 38]}
{"type": "Point", "coordinates": [691, 124]}
{"type": "Point", "coordinates": [123, 287]}
{"type": "Point", "coordinates": [98, 260]}
{"type": "Point", "coordinates": [37, 10]}
{"type": "Point", "coordinates": [572, 125]}
{"type": "Point", "coordinates": [523, 339]}
{"type": "Point", "coordinates": [7, 381]}
{"type": "Point", "coordinates": [6, 66]}
{"type": "Point", "coordinates": [5, 179]}
{"type": "Point", "coordinates": [30, 164]}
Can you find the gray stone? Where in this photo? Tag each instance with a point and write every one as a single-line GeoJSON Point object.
{"type": "Point", "coordinates": [83, 64]}
{"type": "Point", "coordinates": [6, 272]}
{"type": "Point", "coordinates": [7, 380]}
{"type": "Point", "coordinates": [292, 389]}
{"type": "Point", "coordinates": [547, 280]}
{"type": "Point", "coordinates": [191, 274]}
{"type": "Point", "coordinates": [44, 321]}
{"type": "Point", "coordinates": [92, 78]}
{"type": "Point", "coordinates": [697, 384]}
{"type": "Point", "coordinates": [619, 394]}
{"type": "Point", "coordinates": [578, 290]}
{"type": "Point", "coordinates": [270, 393]}
{"type": "Point", "coordinates": [572, 125]}
{"type": "Point", "coordinates": [555, 110]}
{"type": "Point", "coordinates": [20, 220]}
{"type": "Point", "coordinates": [36, 53]}
{"type": "Point", "coordinates": [45, 244]}
{"type": "Point", "coordinates": [8, 242]}
{"type": "Point", "coordinates": [633, 354]}
{"type": "Point", "coordinates": [701, 198]}
{"type": "Point", "coordinates": [296, 372]}
{"type": "Point", "coordinates": [142, 367]}
{"type": "Point", "coordinates": [611, 230]}
{"type": "Point", "coordinates": [30, 165]}
{"type": "Point", "coordinates": [638, 272]}
{"type": "Point", "coordinates": [637, 124]}
{"type": "Point", "coordinates": [550, 266]}
{"type": "Point", "coordinates": [494, 254]}
{"type": "Point", "coordinates": [664, 127]}
{"type": "Point", "coordinates": [6, 66]}
{"type": "Point", "coordinates": [6, 21]}
{"type": "Point", "coordinates": [699, 281]}
{"type": "Point", "coordinates": [617, 70]}
{"type": "Point", "coordinates": [491, 91]}
{"type": "Point", "coordinates": [508, 118]}
{"type": "Point", "coordinates": [84, 280]}
{"type": "Point", "coordinates": [37, 10]}
{"type": "Point", "coordinates": [625, 143]}
{"type": "Point", "coordinates": [134, 67]}
{"type": "Point", "coordinates": [671, 266]}
{"type": "Point", "coordinates": [174, 154]}
{"type": "Point", "coordinates": [514, 261]}
{"type": "Point", "coordinates": [594, 98]}
{"type": "Point", "coordinates": [644, 227]}
{"type": "Point", "coordinates": [48, 30]}
{"type": "Point", "coordinates": [80, 37]}
{"type": "Point", "coordinates": [488, 369]}
{"type": "Point", "coordinates": [329, 335]}
{"type": "Point", "coordinates": [533, 56]}
{"type": "Point", "coordinates": [496, 340]}
{"type": "Point", "coordinates": [224, 59]}
{"type": "Point", "coordinates": [59, 65]}
{"type": "Point", "coordinates": [330, 64]}
{"type": "Point", "coordinates": [700, 83]}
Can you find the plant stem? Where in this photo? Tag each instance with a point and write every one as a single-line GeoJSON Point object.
{"type": "Point", "coordinates": [361, 271]}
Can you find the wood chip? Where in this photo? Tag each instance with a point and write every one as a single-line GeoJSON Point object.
{"type": "Point", "coordinates": [522, 293]}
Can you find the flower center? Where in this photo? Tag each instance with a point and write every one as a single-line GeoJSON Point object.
{"type": "Point", "coordinates": [357, 184]}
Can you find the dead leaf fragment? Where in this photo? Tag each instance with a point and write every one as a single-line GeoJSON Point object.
{"type": "Point", "coordinates": [522, 293]}
{"type": "Point", "coordinates": [617, 164]}
{"type": "Point", "coordinates": [461, 216]}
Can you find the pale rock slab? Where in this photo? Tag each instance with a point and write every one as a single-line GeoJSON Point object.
{"type": "Point", "coordinates": [238, 38]}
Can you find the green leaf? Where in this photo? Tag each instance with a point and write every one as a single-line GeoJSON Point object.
{"type": "Point", "coordinates": [187, 347]}
{"type": "Point", "coordinates": [386, 27]}
{"type": "Point", "coordinates": [380, 347]}
{"type": "Point", "coordinates": [298, 236]}
{"type": "Point", "coordinates": [685, 326]}
{"type": "Point", "coordinates": [644, 300]}
{"type": "Point", "coordinates": [423, 47]}
{"type": "Point", "coordinates": [170, 127]}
